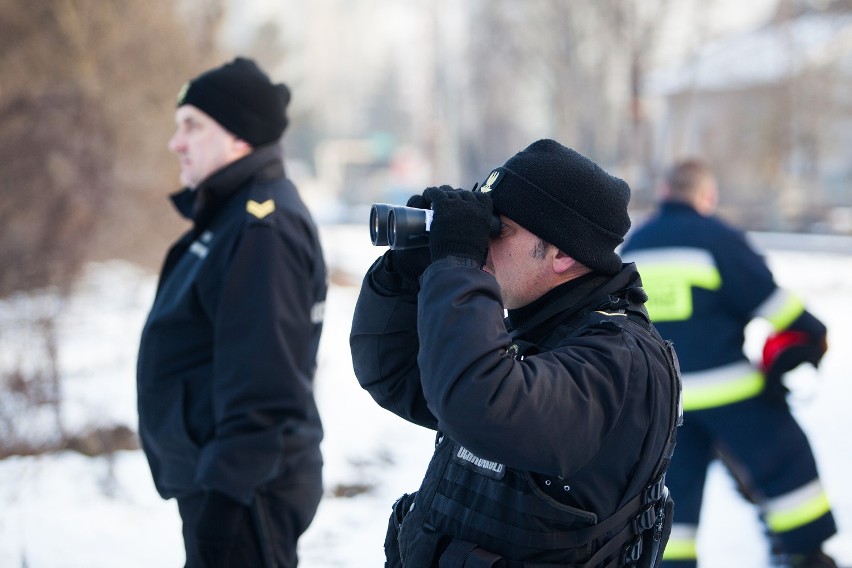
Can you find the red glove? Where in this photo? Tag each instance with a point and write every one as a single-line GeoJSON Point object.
{"type": "Point", "coordinates": [786, 350]}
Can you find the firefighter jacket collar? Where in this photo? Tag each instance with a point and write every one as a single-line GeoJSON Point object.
{"type": "Point", "coordinates": [671, 206]}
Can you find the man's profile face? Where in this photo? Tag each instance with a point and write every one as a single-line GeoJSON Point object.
{"type": "Point", "coordinates": [202, 145]}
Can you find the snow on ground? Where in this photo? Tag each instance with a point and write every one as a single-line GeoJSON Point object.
{"type": "Point", "coordinates": [69, 511]}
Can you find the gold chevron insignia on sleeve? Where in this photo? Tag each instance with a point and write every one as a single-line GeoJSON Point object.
{"type": "Point", "coordinates": [260, 210]}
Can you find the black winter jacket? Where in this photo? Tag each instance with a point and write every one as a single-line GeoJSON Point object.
{"type": "Point", "coordinates": [228, 353]}
{"type": "Point", "coordinates": [565, 389]}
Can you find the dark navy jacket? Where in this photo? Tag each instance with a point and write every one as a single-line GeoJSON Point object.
{"type": "Point", "coordinates": [571, 406]}
{"type": "Point", "coordinates": [228, 353]}
{"type": "Point", "coordinates": [705, 284]}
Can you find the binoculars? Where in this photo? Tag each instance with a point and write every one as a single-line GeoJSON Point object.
{"type": "Point", "coordinates": [401, 227]}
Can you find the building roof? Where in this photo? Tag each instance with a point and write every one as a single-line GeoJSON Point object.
{"type": "Point", "coordinates": [763, 56]}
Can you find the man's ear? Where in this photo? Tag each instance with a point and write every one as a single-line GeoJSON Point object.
{"type": "Point", "coordinates": [242, 147]}
{"type": "Point", "coordinates": [562, 263]}
{"type": "Point", "coordinates": [568, 266]}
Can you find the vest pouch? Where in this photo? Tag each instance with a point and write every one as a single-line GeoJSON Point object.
{"type": "Point", "coordinates": [471, 511]}
{"type": "Point", "coordinates": [418, 540]}
{"type": "Point", "coordinates": [400, 510]}
{"type": "Point", "coordinates": [461, 554]}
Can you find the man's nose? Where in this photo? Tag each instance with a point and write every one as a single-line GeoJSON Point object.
{"type": "Point", "coordinates": [175, 143]}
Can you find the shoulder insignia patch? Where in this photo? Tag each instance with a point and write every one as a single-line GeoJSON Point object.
{"type": "Point", "coordinates": [260, 210]}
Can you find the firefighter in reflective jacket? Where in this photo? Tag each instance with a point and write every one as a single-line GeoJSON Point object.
{"type": "Point", "coordinates": [705, 285]}
{"type": "Point", "coordinates": [555, 426]}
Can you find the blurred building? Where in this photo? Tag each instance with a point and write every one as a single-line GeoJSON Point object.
{"type": "Point", "coordinates": [772, 110]}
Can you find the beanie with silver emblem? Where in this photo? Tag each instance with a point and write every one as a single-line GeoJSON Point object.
{"type": "Point", "coordinates": [566, 199]}
{"type": "Point", "coordinates": [240, 97]}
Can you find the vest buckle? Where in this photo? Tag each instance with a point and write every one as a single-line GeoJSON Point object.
{"type": "Point", "coordinates": [632, 552]}
{"type": "Point", "coordinates": [655, 491]}
{"type": "Point", "coordinates": [646, 519]}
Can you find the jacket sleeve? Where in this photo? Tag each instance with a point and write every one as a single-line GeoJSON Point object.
{"type": "Point", "coordinates": [384, 345]}
{"type": "Point", "coordinates": [264, 359]}
{"type": "Point", "coordinates": [749, 284]}
{"type": "Point", "coordinates": [548, 413]}
{"type": "Point", "coordinates": [747, 281]}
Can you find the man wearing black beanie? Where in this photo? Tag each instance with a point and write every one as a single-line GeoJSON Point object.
{"type": "Point", "coordinates": [227, 416]}
{"type": "Point", "coordinates": [556, 424]}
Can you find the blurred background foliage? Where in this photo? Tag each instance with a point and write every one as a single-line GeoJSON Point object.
{"type": "Point", "coordinates": [85, 106]}
{"type": "Point", "coordinates": [87, 90]}
{"type": "Point", "coordinates": [388, 98]}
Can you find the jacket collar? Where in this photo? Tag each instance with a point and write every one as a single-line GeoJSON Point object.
{"type": "Point", "coordinates": [672, 206]}
{"type": "Point", "coordinates": [201, 203]}
{"type": "Point", "coordinates": [592, 291]}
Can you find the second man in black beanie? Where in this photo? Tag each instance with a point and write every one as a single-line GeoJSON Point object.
{"type": "Point", "coordinates": [566, 199]}
{"type": "Point", "coordinates": [556, 422]}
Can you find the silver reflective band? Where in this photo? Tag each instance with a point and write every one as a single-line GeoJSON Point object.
{"type": "Point", "coordinates": [318, 312]}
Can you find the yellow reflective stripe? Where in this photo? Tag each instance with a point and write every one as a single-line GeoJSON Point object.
{"type": "Point", "coordinates": [781, 522]}
{"type": "Point", "coordinates": [780, 309]}
{"type": "Point", "coordinates": [677, 550]}
{"type": "Point", "coordinates": [670, 289]}
{"type": "Point", "coordinates": [669, 274]}
{"type": "Point", "coordinates": [798, 509]}
{"type": "Point", "coordinates": [721, 386]}
{"type": "Point", "coordinates": [681, 545]}
{"type": "Point", "coordinates": [720, 395]}
{"type": "Point", "coordinates": [788, 313]}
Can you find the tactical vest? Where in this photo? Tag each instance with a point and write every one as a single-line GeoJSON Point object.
{"type": "Point", "coordinates": [503, 517]}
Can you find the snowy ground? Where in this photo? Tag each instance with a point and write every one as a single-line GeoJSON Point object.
{"type": "Point", "coordinates": [69, 511]}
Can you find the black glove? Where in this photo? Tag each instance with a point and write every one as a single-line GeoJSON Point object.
{"type": "Point", "coordinates": [410, 263]}
{"type": "Point", "coordinates": [222, 520]}
{"type": "Point", "coordinates": [461, 225]}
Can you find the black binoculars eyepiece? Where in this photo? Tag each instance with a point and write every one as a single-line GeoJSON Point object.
{"type": "Point", "coordinates": [401, 227]}
{"type": "Point", "coordinates": [398, 226]}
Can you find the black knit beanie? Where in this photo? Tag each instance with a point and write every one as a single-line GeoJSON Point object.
{"type": "Point", "coordinates": [240, 97]}
{"type": "Point", "coordinates": [566, 199]}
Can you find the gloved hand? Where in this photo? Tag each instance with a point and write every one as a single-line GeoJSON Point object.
{"type": "Point", "coordinates": [786, 350]}
{"type": "Point", "coordinates": [410, 263]}
{"type": "Point", "coordinates": [461, 225]}
{"type": "Point", "coordinates": [222, 520]}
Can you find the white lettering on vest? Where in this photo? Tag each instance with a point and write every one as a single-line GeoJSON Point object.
{"type": "Point", "coordinates": [464, 454]}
